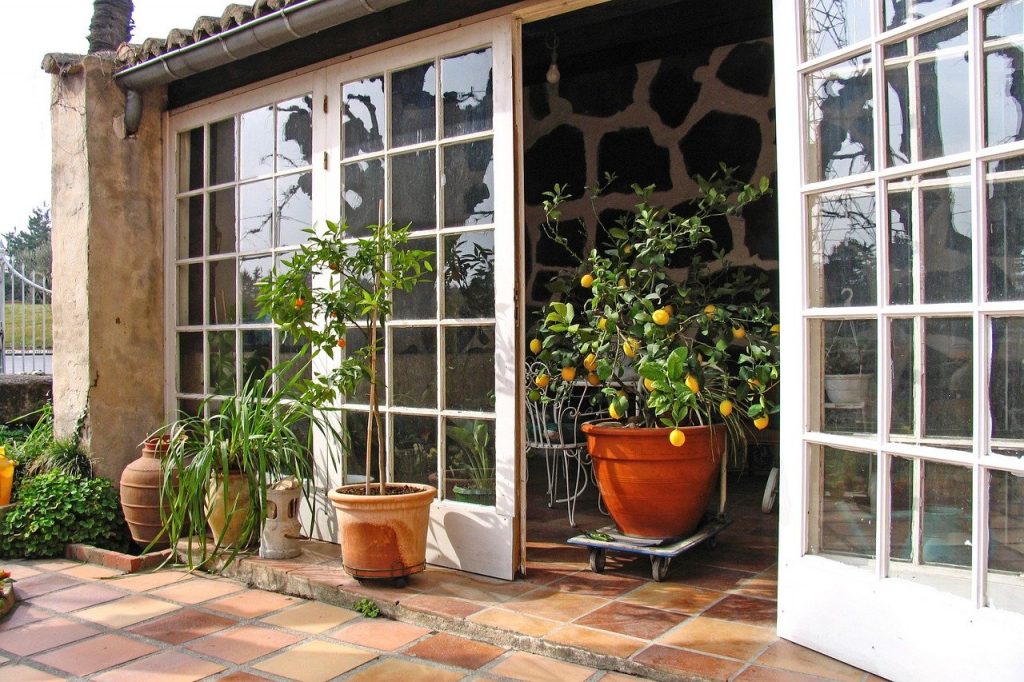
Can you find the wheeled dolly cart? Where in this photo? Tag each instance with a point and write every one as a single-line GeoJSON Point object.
{"type": "Point", "coordinates": [608, 539]}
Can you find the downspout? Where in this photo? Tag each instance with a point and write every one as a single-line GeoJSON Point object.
{"type": "Point", "coordinates": [260, 34]}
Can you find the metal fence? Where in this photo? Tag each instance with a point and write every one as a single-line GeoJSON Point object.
{"type": "Point", "coordinates": [26, 322]}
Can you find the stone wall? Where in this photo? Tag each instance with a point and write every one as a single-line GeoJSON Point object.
{"type": "Point", "coordinates": [659, 123]}
{"type": "Point", "coordinates": [22, 395]}
{"type": "Point", "coordinates": [108, 258]}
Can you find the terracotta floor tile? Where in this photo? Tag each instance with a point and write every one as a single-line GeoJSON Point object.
{"type": "Point", "coordinates": [251, 603]}
{"type": "Point", "coordinates": [750, 610]}
{"type": "Point", "coordinates": [515, 622]}
{"type": "Point", "coordinates": [790, 656]}
{"type": "Point", "coordinates": [92, 571]}
{"type": "Point", "coordinates": [315, 661]}
{"type": "Point", "coordinates": [756, 673]}
{"type": "Point", "coordinates": [311, 617]}
{"type": "Point", "coordinates": [126, 611]}
{"type": "Point", "coordinates": [95, 654]}
{"type": "Point", "coordinates": [55, 564]}
{"type": "Point", "coordinates": [386, 635]}
{"type": "Point", "coordinates": [42, 584]}
{"type": "Point", "coordinates": [243, 643]}
{"type": "Point", "coordinates": [673, 597]}
{"type": "Point", "coordinates": [477, 590]}
{"type": "Point", "coordinates": [457, 651]}
{"type": "Point", "coordinates": [709, 577]}
{"type": "Point", "coordinates": [25, 673]}
{"type": "Point", "coordinates": [23, 614]}
{"type": "Point", "coordinates": [197, 590]}
{"type": "Point", "coordinates": [45, 634]}
{"type": "Point", "coordinates": [761, 585]}
{"type": "Point", "coordinates": [549, 603]}
{"type": "Point", "coordinates": [631, 620]}
{"type": "Point", "coordinates": [724, 638]}
{"type": "Point", "coordinates": [242, 676]}
{"type": "Point", "coordinates": [601, 641]}
{"type": "Point", "coordinates": [74, 598]}
{"type": "Point", "coordinates": [681, 662]}
{"type": "Point", "coordinates": [21, 571]}
{"type": "Point", "coordinates": [407, 671]}
{"type": "Point", "coordinates": [183, 626]}
{"type": "Point", "coordinates": [597, 584]}
{"type": "Point", "coordinates": [169, 666]}
{"type": "Point", "coordinates": [738, 557]}
{"type": "Point", "coordinates": [442, 606]}
{"type": "Point", "coordinates": [140, 582]}
{"type": "Point", "coordinates": [525, 666]}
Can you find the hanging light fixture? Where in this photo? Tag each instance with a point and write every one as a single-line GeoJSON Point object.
{"type": "Point", "coordinates": [553, 75]}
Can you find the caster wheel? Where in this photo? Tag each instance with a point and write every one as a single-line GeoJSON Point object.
{"type": "Point", "coordinates": [771, 491]}
{"type": "Point", "coordinates": [597, 560]}
{"type": "Point", "coordinates": [400, 582]}
{"type": "Point", "coordinates": [659, 567]}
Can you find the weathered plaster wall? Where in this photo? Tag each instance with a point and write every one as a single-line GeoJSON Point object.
{"type": "Point", "coordinates": [108, 263]}
{"type": "Point", "coordinates": [659, 123]}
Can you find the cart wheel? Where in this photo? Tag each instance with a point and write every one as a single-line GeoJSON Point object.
{"type": "Point", "coordinates": [400, 582]}
{"type": "Point", "coordinates": [659, 567]}
{"type": "Point", "coordinates": [771, 491]}
{"type": "Point", "coordinates": [596, 560]}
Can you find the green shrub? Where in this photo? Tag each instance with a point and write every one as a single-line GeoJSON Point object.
{"type": "Point", "coordinates": [56, 508]}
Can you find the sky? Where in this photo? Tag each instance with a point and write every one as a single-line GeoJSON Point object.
{"type": "Point", "coordinates": [45, 26]}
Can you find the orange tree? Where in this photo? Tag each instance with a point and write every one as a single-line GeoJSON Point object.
{"type": "Point", "coordinates": [665, 350]}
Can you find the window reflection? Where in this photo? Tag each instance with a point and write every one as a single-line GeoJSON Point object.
{"type": "Point", "coordinates": [1006, 376]}
{"type": "Point", "coordinates": [468, 92]}
{"type": "Point", "coordinates": [413, 94]}
{"type": "Point", "coordinates": [362, 116]}
{"type": "Point", "coordinates": [294, 208]}
{"type": "Point", "coordinates": [256, 156]}
{"type": "Point", "coordinates": [362, 190]}
{"type": "Point", "coordinates": [841, 118]}
{"type": "Point", "coordinates": [847, 514]}
{"type": "Point", "coordinates": [468, 184]}
{"type": "Point", "coordinates": [843, 248]}
{"type": "Point", "coordinates": [947, 244]}
{"type": "Point", "coordinates": [948, 378]}
{"type": "Point", "coordinates": [1005, 210]}
{"type": "Point", "coordinates": [834, 24]}
{"type": "Point", "coordinates": [469, 275]}
{"type": "Point", "coordinates": [295, 133]}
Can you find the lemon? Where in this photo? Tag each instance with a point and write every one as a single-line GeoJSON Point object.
{"type": "Point", "coordinates": [761, 422]}
{"type": "Point", "coordinates": [709, 310]}
{"type": "Point", "coordinates": [602, 324]}
{"type": "Point", "coordinates": [775, 329]}
{"type": "Point", "coordinates": [568, 373]}
{"type": "Point", "coordinates": [631, 347]}
{"type": "Point", "coordinates": [614, 411]}
{"type": "Point", "coordinates": [587, 281]}
{"type": "Point", "coordinates": [593, 379]}
{"type": "Point", "coordinates": [535, 346]}
{"type": "Point", "coordinates": [649, 385]}
{"type": "Point", "coordinates": [660, 317]}
{"type": "Point", "coordinates": [692, 383]}
{"type": "Point", "coordinates": [739, 333]}
{"type": "Point", "coordinates": [725, 408]}
{"type": "Point", "coordinates": [677, 437]}
{"type": "Point", "coordinates": [534, 395]}
{"type": "Point", "coordinates": [590, 362]}
{"type": "Point", "coordinates": [622, 282]}
{"type": "Point", "coordinates": [542, 380]}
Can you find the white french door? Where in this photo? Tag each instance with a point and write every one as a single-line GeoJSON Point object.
{"type": "Point", "coordinates": [423, 131]}
{"type": "Point", "coordinates": [901, 544]}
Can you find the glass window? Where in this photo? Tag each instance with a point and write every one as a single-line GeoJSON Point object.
{"type": "Point", "coordinates": [840, 141]}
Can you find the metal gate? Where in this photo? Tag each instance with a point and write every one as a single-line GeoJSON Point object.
{"type": "Point", "coordinates": [26, 322]}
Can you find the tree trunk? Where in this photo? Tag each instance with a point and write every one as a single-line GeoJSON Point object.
{"type": "Point", "coordinates": [111, 24]}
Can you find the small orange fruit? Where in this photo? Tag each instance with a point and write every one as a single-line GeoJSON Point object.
{"type": "Point", "coordinates": [761, 422]}
{"type": "Point", "coordinates": [709, 310]}
{"type": "Point", "coordinates": [739, 333]}
{"type": "Point", "coordinates": [775, 329]}
{"type": "Point", "coordinates": [677, 437]}
{"type": "Point", "coordinates": [590, 362]}
{"type": "Point", "coordinates": [568, 373]}
{"type": "Point", "coordinates": [725, 408]}
{"type": "Point", "coordinates": [692, 383]}
{"type": "Point", "coordinates": [602, 324]}
{"type": "Point", "coordinates": [342, 343]}
{"type": "Point", "coordinates": [542, 380]}
{"type": "Point", "coordinates": [622, 282]}
{"type": "Point", "coordinates": [587, 281]}
{"type": "Point", "coordinates": [661, 317]}
{"type": "Point", "coordinates": [299, 302]}
{"type": "Point", "coordinates": [535, 346]}
{"type": "Point", "coordinates": [593, 379]}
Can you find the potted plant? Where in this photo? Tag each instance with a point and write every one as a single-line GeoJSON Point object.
{"type": "Point", "coordinates": [220, 461]}
{"type": "Point", "coordinates": [846, 356]}
{"type": "Point", "coordinates": [474, 462]}
{"type": "Point", "coordinates": [686, 360]}
{"type": "Point", "coordinates": [383, 525]}
{"type": "Point", "coordinates": [849, 344]}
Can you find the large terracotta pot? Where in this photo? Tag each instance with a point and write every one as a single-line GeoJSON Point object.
{"type": "Point", "coordinates": [140, 493]}
{"type": "Point", "coordinates": [652, 488]}
{"type": "Point", "coordinates": [383, 536]}
{"type": "Point", "coordinates": [226, 522]}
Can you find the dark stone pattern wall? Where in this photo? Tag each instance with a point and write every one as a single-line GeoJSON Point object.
{"type": "Point", "coordinates": [657, 123]}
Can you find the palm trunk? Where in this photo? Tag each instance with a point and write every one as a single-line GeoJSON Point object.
{"type": "Point", "coordinates": [111, 24]}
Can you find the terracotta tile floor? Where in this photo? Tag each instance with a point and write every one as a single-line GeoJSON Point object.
{"type": "Point", "coordinates": [713, 617]}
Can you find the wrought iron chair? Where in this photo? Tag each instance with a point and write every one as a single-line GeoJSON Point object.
{"type": "Point", "coordinates": [554, 432]}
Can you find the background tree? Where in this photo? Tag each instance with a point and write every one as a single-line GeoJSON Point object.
{"type": "Point", "coordinates": [29, 247]}
{"type": "Point", "coordinates": [111, 24]}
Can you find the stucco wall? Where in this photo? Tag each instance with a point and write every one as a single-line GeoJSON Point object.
{"type": "Point", "coordinates": [108, 371]}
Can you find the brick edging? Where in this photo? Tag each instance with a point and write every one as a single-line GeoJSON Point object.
{"type": "Point", "coordinates": [126, 563]}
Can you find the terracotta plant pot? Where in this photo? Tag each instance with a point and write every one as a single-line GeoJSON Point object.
{"type": "Point", "coordinates": [140, 493]}
{"type": "Point", "coordinates": [383, 536]}
{"type": "Point", "coordinates": [653, 489]}
{"type": "Point", "coordinates": [226, 523]}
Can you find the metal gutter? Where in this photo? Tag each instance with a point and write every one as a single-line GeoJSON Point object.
{"type": "Point", "coordinates": [252, 37]}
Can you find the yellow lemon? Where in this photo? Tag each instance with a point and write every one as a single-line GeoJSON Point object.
{"type": "Point", "coordinates": [660, 317]}
{"type": "Point", "coordinates": [775, 329]}
{"type": "Point", "coordinates": [535, 346]}
{"type": "Point", "coordinates": [593, 379]}
{"type": "Point", "coordinates": [649, 385]}
{"type": "Point", "coordinates": [709, 310]}
{"type": "Point", "coordinates": [725, 408]}
{"type": "Point", "coordinates": [622, 282]}
{"type": "Point", "coordinates": [614, 411]}
{"type": "Point", "coordinates": [587, 281]}
{"type": "Point", "coordinates": [631, 347]}
{"type": "Point", "coordinates": [739, 333]}
{"type": "Point", "coordinates": [590, 362]}
{"type": "Point", "coordinates": [568, 373]}
{"type": "Point", "coordinates": [542, 380]}
{"type": "Point", "coordinates": [761, 422]}
{"type": "Point", "coordinates": [677, 437]}
{"type": "Point", "coordinates": [692, 383]}
{"type": "Point", "coordinates": [602, 324]}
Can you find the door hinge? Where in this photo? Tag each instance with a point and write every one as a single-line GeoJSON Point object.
{"type": "Point", "coordinates": [325, 160]}
{"type": "Point", "coordinates": [325, 104]}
